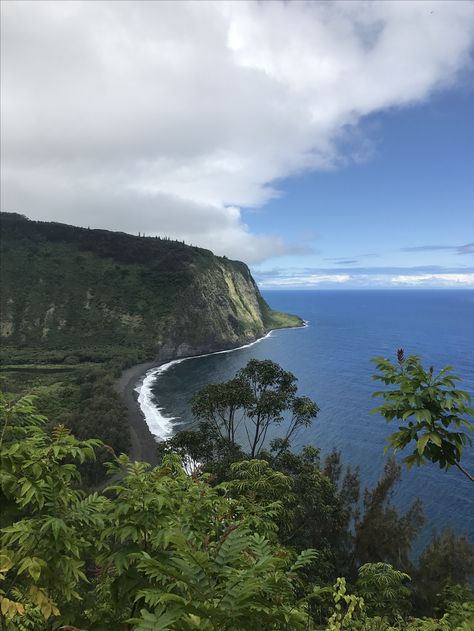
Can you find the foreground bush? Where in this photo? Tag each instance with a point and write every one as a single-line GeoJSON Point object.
{"type": "Point", "coordinates": [161, 550]}
{"type": "Point", "coordinates": [158, 550]}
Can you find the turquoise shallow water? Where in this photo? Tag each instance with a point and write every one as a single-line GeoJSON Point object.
{"type": "Point", "coordinates": [331, 358]}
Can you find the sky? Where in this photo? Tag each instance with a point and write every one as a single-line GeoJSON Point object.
{"type": "Point", "coordinates": [326, 144]}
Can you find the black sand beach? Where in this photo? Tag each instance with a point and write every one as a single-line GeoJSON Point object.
{"type": "Point", "coordinates": [143, 443]}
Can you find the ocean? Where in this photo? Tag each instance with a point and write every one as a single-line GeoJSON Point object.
{"type": "Point", "coordinates": [331, 359]}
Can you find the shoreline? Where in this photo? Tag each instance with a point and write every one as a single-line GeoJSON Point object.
{"type": "Point", "coordinates": [130, 385]}
{"type": "Point", "coordinates": [143, 444]}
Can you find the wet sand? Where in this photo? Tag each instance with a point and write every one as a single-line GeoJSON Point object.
{"type": "Point", "coordinates": [143, 444]}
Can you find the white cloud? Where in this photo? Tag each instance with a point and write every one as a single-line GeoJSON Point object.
{"type": "Point", "coordinates": [434, 279]}
{"type": "Point", "coordinates": [308, 280]}
{"type": "Point", "coordinates": [363, 277]}
{"type": "Point", "coordinates": [167, 117]}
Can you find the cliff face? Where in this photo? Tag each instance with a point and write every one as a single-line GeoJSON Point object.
{"type": "Point", "coordinates": [96, 294]}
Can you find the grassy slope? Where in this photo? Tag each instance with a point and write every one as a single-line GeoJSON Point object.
{"type": "Point", "coordinates": [279, 320]}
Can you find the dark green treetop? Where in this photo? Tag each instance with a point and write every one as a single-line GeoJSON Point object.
{"type": "Point", "coordinates": [262, 394]}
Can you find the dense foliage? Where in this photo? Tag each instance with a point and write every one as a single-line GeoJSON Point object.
{"type": "Point", "coordinates": [84, 400]}
{"type": "Point", "coordinates": [158, 550]}
{"type": "Point", "coordinates": [279, 541]}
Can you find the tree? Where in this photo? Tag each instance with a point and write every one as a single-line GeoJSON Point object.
{"type": "Point", "coordinates": [446, 561]}
{"type": "Point", "coordinates": [160, 549]}
{"type": "Point", "coordinates": [319, 510]}
{"type": "Point", "coordinates": [262, 394]}
{"type": "Point", "coordinates": [383, 589]}
{"type": "Point", "coordinates": [203, 450]}
{"type": "Point", "coordinates": [381, 533]}
{"type": "Point", "coordinates": [48, 525]}
{"type": "Point", "coordinates": [222, 406]}
{"type": "Point", "coordinates": [430, 411]}
{"type": "Point", "coordinates": [258, 490]}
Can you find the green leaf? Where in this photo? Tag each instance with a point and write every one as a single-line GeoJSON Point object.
{"type": "Point", "coordinates": [435, 438]}
{"type": "Point", "coordinates": [421, 443]}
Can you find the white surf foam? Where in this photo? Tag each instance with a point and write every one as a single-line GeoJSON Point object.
{"type": "Point", "coordinates": [161, 426]}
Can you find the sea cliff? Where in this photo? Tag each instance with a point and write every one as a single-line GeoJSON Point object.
{"type": "Point", "coordinates": [72, 294]}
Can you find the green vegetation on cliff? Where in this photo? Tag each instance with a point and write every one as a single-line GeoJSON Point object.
{"type": "Point", "coordinates": [72, 294]}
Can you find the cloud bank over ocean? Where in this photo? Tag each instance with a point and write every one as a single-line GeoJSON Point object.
{"type": "Point", "coordinates": [365, 278]}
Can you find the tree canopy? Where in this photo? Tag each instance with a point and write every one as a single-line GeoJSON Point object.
{"type": "Point", "coordinates": [261, 395]}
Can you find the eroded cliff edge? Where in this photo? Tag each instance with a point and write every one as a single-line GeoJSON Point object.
{"type": "Point", "coordinates": [71, 293]}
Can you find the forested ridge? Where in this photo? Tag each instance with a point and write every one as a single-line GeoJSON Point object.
{"type": "Point", "coordinates": [72, 294]}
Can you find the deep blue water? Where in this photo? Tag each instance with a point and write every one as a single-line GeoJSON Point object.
{"type": "Point", "coordinates": [331, 358]}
